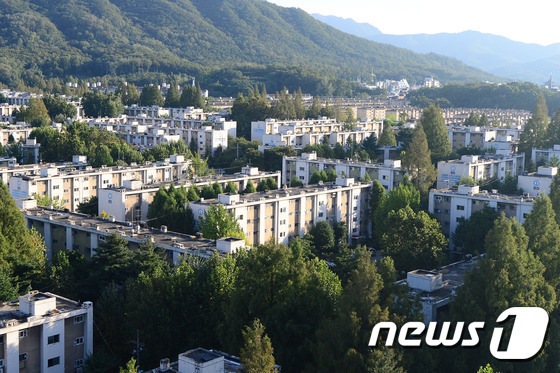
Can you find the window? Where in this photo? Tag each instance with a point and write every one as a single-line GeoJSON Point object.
{"type": "Point", "coordinates": [56, 187]}
{"type": "Point", "coordinates": [53, 339]}
{"type": "Point", "coordinates": [79, 319]}
{"type": "Point", "coordinates": [240, 217]}
{"type": "Point", "coordinates": [1, 362]}
{"type": "Point", "coordinates": [102, 238]}
{"type": "Point", "coordinates": [79, 341]}
{"type": "Point", "coordinates": [1, 339]}
{"type": "Point", "coordinates": [460, 207]}
{"type": "Point", "coordinates": [54, 361]}
{"type": "Point", "coordinates": [78, 363]}
{"type": "Point", "coordinates": [23, 333]}
{"type": "Point", "coordinates": [320, 214]}
{"type": "Point", "coordinates": [23, 357]}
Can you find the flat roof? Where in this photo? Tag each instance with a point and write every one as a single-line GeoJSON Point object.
{"type": "Point", "coordinates": [487, 195]}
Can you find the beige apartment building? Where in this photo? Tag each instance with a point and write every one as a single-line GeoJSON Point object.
{"type": "Point", "coordinates": [290, 212]}
{"type": "Point", "coordinates": [44, 332]}
{"type": "Point", "coordinates": [78, 186]}
{"type": "Point", "coordinates": [132, 201]}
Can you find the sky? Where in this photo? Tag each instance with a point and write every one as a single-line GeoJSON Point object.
{"type": "Point", "coordinates": [520, 20]}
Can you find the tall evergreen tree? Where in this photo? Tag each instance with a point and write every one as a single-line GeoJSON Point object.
{"type": "Point", "coordinates": [375, 200]}
{"type": "Point", "coordinates": [387, 137]}
{"type": "Point", "coordinates": [129, 94]}
{"type": "Point", "coordinates": [173, 97]}
{"type": "Point", "coordinates": [315, 109]}
{"type": "Point", "coordinates": [433, 123]}
{"type": "Point", "coordinates": [417, 163]}
{"type": "Point", "coordinates": [151, 95]}
{"type": "Point", "coordinates": [472, 120]}
{"type": "Point", "coordinates": [553, 130]}
{"type": "Point", "coordinates": [257, 352]}
{"type": "Point", "coordinates": [535, 131]}
{"type": "Point", "coordinates": [299, 106]}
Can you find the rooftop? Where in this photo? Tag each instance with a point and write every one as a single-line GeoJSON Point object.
{"type": "Point", "coordinates": [180, 242]}
{"type": "Point", "coordinates": [485, 194]}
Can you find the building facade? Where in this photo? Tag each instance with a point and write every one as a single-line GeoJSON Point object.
{"type": "Point", "coordinates": [284, 214]}
{"type": "Point", "coordinates": [44, 332]}
{"type": "Point", "coordinates": [537, 183]}
{"type": "Point", "coordinates": [479, 168]}
{"type": "Point", "coordinates": [390, 174]}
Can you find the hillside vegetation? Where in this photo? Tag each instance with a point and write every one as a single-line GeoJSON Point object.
{"type": "Point", "coordinates": [93, 38]}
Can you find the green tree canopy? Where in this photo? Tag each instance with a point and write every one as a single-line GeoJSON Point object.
{"type": "Point", "coordinates": [218, 223]}
{"type": "Point", "coordinates": [151, 95]}
{"type": "Point", "coordinates": [257, 352]}
{"type": "Point", "coordinates": [129, 94]}
{"type": "Point", "coordinates": [535, 130]}
{"type": "Point", "coordinates": [417, 161]}
{"type": "Point", "coordinates": [387, 137]}
{"type": "Point", "coordinates": [470, 233]}
{"type": "Point", "coordinates": [433, 124]}
{"type": "Point", "coordinates": [173, 97]}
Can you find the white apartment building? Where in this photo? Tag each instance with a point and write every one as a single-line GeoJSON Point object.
{"type": "Point", "coordinates": [131, 202]}
{"type": "Point", "coordinates": [299, 133]}
{"type": "Point", "coordinates": [481, 137]}
{"type": "Point", "coordinates": [15, 132]}
{"type": "Point", "coordinates": [7, 112]}
{"type": "Point", "coordinates": [537, 183]}
{"type": "Point", "coordinates": [9, 167]}
{"type": "Point", "coordinates": [479, 167]}
{"type": "Point", "coordinates": [286, 213]}
{"type": "Point", "coordinates": [44, 332]}
{"type": "Point", "coordinates": [390, 174]}
{"type": "Point", "coordinates": [74, 187]}
{"type": "Point", "coordinates": [449, 206]}
{"type": "Point", "coordinates": [544, 155]}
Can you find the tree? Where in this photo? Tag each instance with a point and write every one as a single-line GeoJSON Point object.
{"type": "Point", "coordinates": [131, 367]}
{"type": "Point", "coordinates": [47, 201]}
{"type": "Point", "coordinates": [315, 109]}
{"type": "Point", "coordinates": [129, 94]}
{"type": "Point", "coordinates": [257, 352]}
{"type": "Point", "coordinates": [483, 121]}
{"type": "Point", "coordinates": [90, 207]}
{"type": "Point", "coordinates": [470, 233]}
{"type": "Point", "coordinates": [193, 194]}
{"type": "Point", "coordinates": [217, 189]}
{"type": "Point", "coordinates": [433, 124]}
{"type": "Point", "coordinates": [208, 192]}
{"type": "Point", "coordinates": [509, 275]}
{"type": "Point", "coordinates": [249, 188]}
{"type": "Point", "coordinates": [322, 237]}
{"type": "Point", "coordinates": [102, 105]}
{"type": "Point", "coordinates": [387, 137]}
{"type": "Point", "coordinates": [35, 112]}
{"type": "Point", "coordinates": [192, 96]}
{"type": "Point", "coordinates": [535, 130]}
{"type": "Point", "coordinates": [262, 186]}
{"type": "Point", "coordinates": [102, 157]}
{"type": "Point", "coordinates": [544, 238]}
{"type": "Point", "coordinates": [218, 223]}
{"type": "Point", "coordinates": [375, 200]}
{"type": "Point", "coordinates": [400, 197]}
{"type": "Point", "coordinates": [296, 182]}
{"type": "Point", "coordinates": [173, 97]}
{"type": "Point", "coordinates": [231, 187]}
{"type": "Point", "coordinates": [315, 177]}
{"type": "Point", "coordinates": [417, 163]}
{"type": "Point", "coordinates": [413, 240]}
{"type": "Point", "coordinates": [168, 208]}
{"type": "Point", "coordinates": [271, 183]}
{"type": "Point", "coordinates": [56, 106]}
{"type": "Point", "coordinates": [553, 130]}
{"type": "Point", "coordinates": [473, 120]}
{"type": "Point", "coordinates": [151, 95]}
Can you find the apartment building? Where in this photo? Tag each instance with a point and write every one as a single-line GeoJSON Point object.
{"type": "Point", "coordinates": [7, 112]}
{"type": "Point", "coordinates": [76, 186]}
{"type": "Point", "coordinates": [132, 201]}
{"type": "Point", "coordinates": [537, 183]}
{"type": "Point", "coordinates": [286, 213]}
{"type": "Point", "coordinates": [481, 137]}
{"type": "Point", "coordinates": [544, 155]}
{"type": "Point", "coordinates": [44, 332]}
{"type": "Point", "coordinates": [16, 133]}
{"type": "Point", "coordinates": [72, 231]}
{"type": "Point", "coordinates": [390, 174]}
{"type": "Point", "coordinates": [451, 206]}
{"type": "Point", "coordinates": [9, 167]}
{"type": "Point", "coordinates": [299, 133]}
{"type": "Point", "coordinates": [479, 168]}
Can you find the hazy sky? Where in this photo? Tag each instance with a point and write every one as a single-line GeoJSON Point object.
{"type": "Point", "coordinates": [530, 21]}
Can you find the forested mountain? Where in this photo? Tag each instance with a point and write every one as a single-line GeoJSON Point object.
{"type": "Point", "coordinates": [493, 53]}
{"type": "Point", "coordinates": [85, 38]}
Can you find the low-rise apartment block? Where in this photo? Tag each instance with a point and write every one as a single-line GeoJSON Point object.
{"type": "Point", "coordinates": [479, 168]}
{"type": "Point", "coordinates": [537, 183]}
{"type": "Point", "coordinates": [286, 213]}
{"type": "Point", "coordinates": [541, 156]}
{"type": "Point", "coordinates": [71, 231]}
{"type": "Point", "coordinates": [132, 201]}
{"type": "Point", "coordinates": [390, 174]}
{"type": "Point", "coordinates": [74, 187]}
{"type": "Point", "coordinates": [15, 133]}
{"type": "Point", "coordinates": [299, 133]}
{"type": "Point", "coordinates": [451, 206]}
{"type": "Point", "coordinates": [44, 332]}
{"type": "Point", "coordinates": [480, 137]}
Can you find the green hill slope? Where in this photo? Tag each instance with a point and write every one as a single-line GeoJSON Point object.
{"type": "Point", "coordinates": [87, 38]}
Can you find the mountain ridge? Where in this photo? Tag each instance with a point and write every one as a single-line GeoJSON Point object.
{"type": "Point", "coordinates": [84, 38]}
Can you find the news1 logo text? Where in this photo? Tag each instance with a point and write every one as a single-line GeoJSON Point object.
{"type": "Point", "coordinates": [526, 340]}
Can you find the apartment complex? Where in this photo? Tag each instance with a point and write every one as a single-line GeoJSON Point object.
{"type": "Point", "coordinates": [299, 133]}
{"type": "Point", "coordinates": [482, 137]}
{"type": "Point", "coordinates": [9, 167]}
{"type": "Point", "coordinates": [537, 183]}
{"type": "Point", "coordinates": [390, 174]}
{"type": "Point", "coordinates": [131, 201]}
{"type": "Point", "coordinates": [451, 206]}
{"type": "Point", "coordinates": [15, 133]}
{"type": "Point", "coordinates": [479, 168]}
{"type": "Point", "coordinates": [44, 332]}
{"type": "Point", "coordinates": [151, 126]}
{"type": "Point", "coordinates": [286, 213]}
{"type": "Point", "coordinates": [76, 186]}
{"type": "Point", "coordinates": [71, 231]}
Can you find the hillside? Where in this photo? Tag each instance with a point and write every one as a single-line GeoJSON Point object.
{"type": "Point", "coordinates": [86, 38]}
{"type": "Point", "coordinates": [492, 53]}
